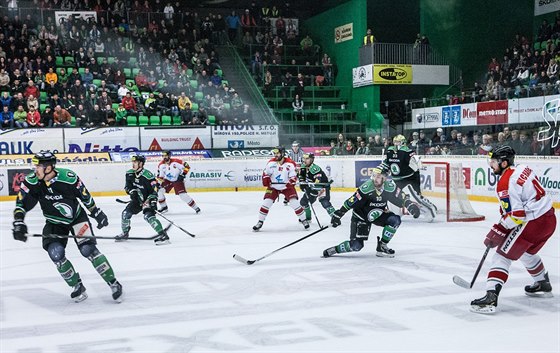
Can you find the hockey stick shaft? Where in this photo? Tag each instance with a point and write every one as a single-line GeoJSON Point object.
{"type": "Point", "coordinates": [167, 219]}
{"type": "Point", "coordinates": [462, 283]}
{"type": "Point", "coordinates": [71, 236]}
{"type": "Point", "coordinates": [250, 262]}
{"type": "Point", "coordinates": [312, 209]}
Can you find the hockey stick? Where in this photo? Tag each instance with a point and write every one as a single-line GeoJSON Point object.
{"type": "Point", "coordinates": [463, 283]}
{"type": "Point", "coordinates": [70, 236]}
{"type": "Point", "coordinates": [312, 209]}
{"type": "Point", "coordinates": [250, 262]}
{"type": "Point", "coordinates": [162, 216]}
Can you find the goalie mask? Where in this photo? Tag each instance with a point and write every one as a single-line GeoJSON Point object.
{"type": "Point", "coordinates": [399, 141]}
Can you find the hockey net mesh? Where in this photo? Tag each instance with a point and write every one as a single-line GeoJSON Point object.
{"type": "Point", "coordinates": [449, 191]}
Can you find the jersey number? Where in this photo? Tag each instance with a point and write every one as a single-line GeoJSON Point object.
{"type": "Point", "coordinates": [539, 189]}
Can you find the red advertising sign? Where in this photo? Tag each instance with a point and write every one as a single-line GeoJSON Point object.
{"type": "Point", "coordinates": [441, 177]}
{"type": "Point", "coordinates": [491, 113]}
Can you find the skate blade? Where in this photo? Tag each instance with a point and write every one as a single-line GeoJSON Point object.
{"type": "Point", "coordinates": [119, 299]}
{"type": "Point", "coordinates": [487, 310]}
{"type": "Point", "coordinates": [540, 295]}
{"type": "Point", "coordinates": [165, 242]}
{"type": "Point", "coordinates": [120, 240]}
{"type": "Point", "coordinates": [382, 254]}
{"type": "Point", "coordinates": [80, 298]}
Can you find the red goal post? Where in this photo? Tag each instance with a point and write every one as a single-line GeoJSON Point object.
{"type": "Point", "coordinates": [445, 184]}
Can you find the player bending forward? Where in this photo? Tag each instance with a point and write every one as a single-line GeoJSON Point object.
{"type": "Point", "coordinates": [141, 186]}
{"type": "Point", "coordinates": [315, 186]}
{"type": "Point", "coordinates": [369, 205]}
{"type": "Point", "coordinates": [59, 193]}
{"type": "Point", "coordinates": [171, 175]}
{"type": "Point", "coordinates": [279, 177]}
{"type": "Point", "coordinates": [404, 166]}
{"type": "Point", "coordinates": [527, 222]}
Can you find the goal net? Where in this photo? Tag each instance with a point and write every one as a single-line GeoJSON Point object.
{"type": "Point", "coordinates": [445, 184]}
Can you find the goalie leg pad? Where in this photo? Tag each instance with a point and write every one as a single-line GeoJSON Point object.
{"type": "Point", "coordinates": [418, 198]}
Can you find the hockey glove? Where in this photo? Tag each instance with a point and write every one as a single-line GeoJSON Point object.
{"type": "Point", "coordinates": [136, 197]}
{"type": "Point", "coordinates": [181, 177]}
{"type": "Point", "coordinates": [153, 204]}
{"type": "Point", "coordinates": [412, 208]}
{"type": "Point", "coordinates": [20, 230]}
{"type": "Point", "coordinates": [335, 219]}
{"type": "Point", "coordinates": [100, 218]}
{"type": "Point", "coordinates": [266, 181]}
{"type": "Point", "coordinates": [496, 235]}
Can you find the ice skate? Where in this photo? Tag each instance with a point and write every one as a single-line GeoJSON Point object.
{"type": "Point", "coordinates": [488, 303]}
{"type": "Point", "coordinates": [305, 224]}
{"type": "Point", "coordinates": [79, 293]}
{"type": "Point", "coordinates": [164, 209]}
{"type": "Point", "coordinates": [162, 239]}
{"type": "Point", "coordinates": [541, 289]}
{"type": "Point", "coordinates": [197, 210]}
{"type": "Point", "coordinates": [122, 237]}
{"type": "Point", "coordinates": [383, 250]}
{"type": "Point", "coordinates": [116, 288]}
{"type": "Point", "coordinates": [258, 226]}
{"type": "Point", "coordinates": [329, 252]}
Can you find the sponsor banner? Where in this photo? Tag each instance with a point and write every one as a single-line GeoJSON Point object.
{"type": "Point", "coordinates": [156, 155]}
{"type": "Point", "coordinates": [244, 136]}
{"type": "Point", "coordinates": [344, 33]}
{"type": "Point", "coordinates": [3, 182]}
{"type": "Point", "coordinates": [107, 139]}
{"type": "Point", "coordinates": [30, 141]}
{"type": "Point", "coordinates": [492, 113]}
{"type": "Point", "coordinates": [430, 75]}
{"type": "Point", "coordinates": [451, 115]}
{"type": "Point", "coordinates": [364, 169]}
{"type": "Point", "coordinates": [528, 110]}
{"type": "Point", "coordinates": [158, 139]}
{"type": "Point", "coordinates": [317, 151]}
{"type": "Point", "coordinates": [468, 114]}
{"type": "Point", "coordinates": [25, 159]}
{"type": "Point", "coordinates": [546, 6]}
{"type": "Point", "coordinates": [15, 178]}
{"type": "Point", "coordinates": [388, 74]}
{"type": "Point", "coordinates": [440, 176]}
{"type": "Point", "coordinates": [243, 153]}
{"type": "Point", "coordinates": [362, 76]}
{"type": "Point", "coordinates": [65, 16]}
{"type": "Point", "coordinates": [426, 118]}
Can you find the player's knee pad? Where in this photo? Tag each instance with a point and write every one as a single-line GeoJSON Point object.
{"type": "Point", "coordinates": [325, 202]}
{"type": "Point", "coordinates": [88, 250]}
{"type": "Point", "coordinates": [126, 214]}
{"type": "Point", "coordinates": [148, 213]}
{"type": "Point", "coordinates": [304, 202]}
{"type": "Point", "coordinates": [394, 221]}
{"type": "Point", "coordinates": [356, 244]}
{"type": "Point", "coordinates": [56, 252]}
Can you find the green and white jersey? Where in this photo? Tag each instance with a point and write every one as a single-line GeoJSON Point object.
{"type": "Point", "coordinates": [59, 198]}
{"type": "Point", "coordinates": [143, 180]}
{"type": "Point", "coordinates": [400, 162]}
{"type": "Point", "coordinates": [369, 202]}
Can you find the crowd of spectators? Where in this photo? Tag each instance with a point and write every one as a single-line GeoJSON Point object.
{"type": "Point", "coordinates": [97, 73]}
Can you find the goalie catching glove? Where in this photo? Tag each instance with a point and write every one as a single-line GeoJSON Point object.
{"type": "Point", "coordinates": [496, 235]}
{"type": "Point", "coordinates": [412, 208]}
{"type": "Point", "coordinates": [335, 219]}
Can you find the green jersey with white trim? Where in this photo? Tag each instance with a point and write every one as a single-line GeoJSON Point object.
{"type": "Point", "coordinates": [59, 197]}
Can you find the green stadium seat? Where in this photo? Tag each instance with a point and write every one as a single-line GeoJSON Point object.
{"type": "Point", "coordinates": [43, 96]}
{"type": "Point", "coordinates": [81, 70]}
{"type": "Point", "coordinates": [220, 72]}
{"type": "Point", "coordinates": [115, 105]}
{"type": "Point", "coordinates": [537, 46]}
{"type": "Point", "coordinates": [177, 120]}
{"type": "Point", "coordinates": [59, 61]}
{"type": "Point", "coordinates": [211, 120]}
{"type": "Point", "coordinates": [111, 60]}
{"type": "Point", "coordinates": [227, 106]}
{"type": "Point", "coordinates": [190, 72]}
{"type": "Point", "coordinates": [42, 107]}
{"type": "Point", "coordinates": [97, 82]}
{"type": "Point", "coordinates": [127, 72]}
{"type": "Point", "coordinates": [68, 60]}
{"type": "Point", "coordinates": [131, 120]}
{"type": "Point", "coordinates": [166, 120]}
{"type": "Point", "coordinates": [194, 84]}
{"type": "Point", "coordinates": [225, 83]}
{"type": "Point", "coordinates": [58, 70]}
{"type": "Point", "coordinates": [132, 61]}
{"type": "Point", "coordinates": [100, 59]}
{"type": "Point", "coordinates": [130, 83]}
{"type": "Point", "coordinates": [135, 72]}
{"type": "Point", "coordinates": [143, 120]}
{"type": "Point", "coordinates": [194, 107]}
{"type": "Point", "coordinates": [198, 96]}
{"type": "Point", "coordinates": [154, 120]}
{"type": "Point", "coordinates": [73, 120]}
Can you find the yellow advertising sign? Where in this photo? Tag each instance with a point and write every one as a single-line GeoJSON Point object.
{"type": "Point", "coordinates": [23, 159]}
{"type": "Point", "coordinates": [391, 74]}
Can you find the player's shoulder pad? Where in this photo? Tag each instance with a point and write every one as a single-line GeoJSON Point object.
{"type": "Point", "coordinates": [389, 186]}
{"type": "Point", "coordinates": [314, 169]}
{"type": "Point", "coordinates": [130, 171]}
{"type": "Point", "coordinates": [392, 148]}
{"type": "Point", "coordinates": [147, 174]}
{"type": "Point", "coordinates": [406, 149]}
{"type": "Point", "coordinates": [66, 176]}
{"type": "Point", "coordinates": [31, 178]}
{"type": "Point", "coordinates": [366, 187]}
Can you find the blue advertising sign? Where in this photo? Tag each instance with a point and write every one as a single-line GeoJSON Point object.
{"type": "Point", "coordinates": [451, 115]}
{"type": "Point", "coordinates": [156, 155]}
{"type": "Point", "coordinates": [363, 170]}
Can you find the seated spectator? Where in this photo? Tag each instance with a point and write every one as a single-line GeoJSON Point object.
{"type": "Point", "coordinates": [150, 105]}
{"type": "Point", "coordinates": [129, 103]}
{"type": "Point", "coordinates": [297, 105]}
{"type": "Point", "coordinates": [187, 115]}
{"type": "Point", "coordinates": [20, 117]}
{"type": "Point", "coordinates": [6, 118]}
{"type": "Point", "coordinates": [236, 102]}
{"type": "Point", "coordinates": [51, 76]}
{"type": "Point", "coordinates": [61, 117]}
{"type": "Point", "coordinates": [362, 148]}
{"type": "Point", "coordinates": [82, 116]}
{"type": "Point", "coordinates": [465, 148]}
{"type": "Point", "coordinates": [5, 100]}
{"type": "Point", "coordinates": [32, 102]}
{"type": "Point", "coordinates": [335, 150]}
{"type": "Point", "coordinates": [110, 116]}
{"type": "Point", "coordinates": [87, 78]}
{"type": "Point", "coordinates": [4, 79]}
{"type": "Point", "coordinates": [31, 90]}
{"type": "Point", "coordinates": [349, 148]}
{"type": "Point", "coordinates": [47, 118]}
{"type": "Point", "coordinates": [524, 147]}
{"type": "Point", "coordinates": [33, 118]}
{"type": "Point", "coordinates": [486, 145]}
{"type": "Point", "coordinates": [97, 117]}
{"type": "Point", "coordinates": [122, 91]}
{"type": "Point", "coordinates": [246, 116]}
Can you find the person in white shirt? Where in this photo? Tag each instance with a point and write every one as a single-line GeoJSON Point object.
{"type": "Point", "coordinates": [171, 175]}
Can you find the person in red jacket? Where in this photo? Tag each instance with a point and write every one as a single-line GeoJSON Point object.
{"type": "Point", "coordinates": [129, 103]}
{"type": "Point", "coordinates": [31, 90]}
{"type": "Point", "coordinates": [33, 118]}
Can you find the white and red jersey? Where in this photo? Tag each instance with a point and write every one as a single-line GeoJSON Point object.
{"type": "Point", "coordinates": [171, 170]}
{"type": "Point", "coordinates": [280, 174]}
{"type": "Point", "coordinates": [522, 197]}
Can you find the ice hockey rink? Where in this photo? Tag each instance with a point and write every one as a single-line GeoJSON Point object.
{"type": "Point", "coordinates": [192, 296]}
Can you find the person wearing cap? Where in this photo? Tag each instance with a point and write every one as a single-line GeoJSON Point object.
{"type": "Point", "coordinates": [439, 137]}
{"type": "Point", "coordinates": [315, 185]}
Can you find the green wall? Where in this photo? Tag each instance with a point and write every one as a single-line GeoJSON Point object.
{"type": "Point", "coordinates": [469, 33]}
{"type": "Point", "coordinates": [345, 54]}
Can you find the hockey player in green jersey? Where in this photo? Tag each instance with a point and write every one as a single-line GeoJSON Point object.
{"type": "Point", "coordinates": [141, 185]}
{"type": "Point", "coordinates": [404, 166]}
{"type": "Point", "coordinates": [369, 206]}
{"type": "Point", "coordinates": [315, 185]}
{"type": "Point", "coordinates": [59, 193]}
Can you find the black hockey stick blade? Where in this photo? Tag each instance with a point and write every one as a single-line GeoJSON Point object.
{"type": "Point", "coordinates": [70, 236]}
{"type": "Point", "coordinates": [250, 262]}
{"type": "Point", "coordinates": [122, 201]}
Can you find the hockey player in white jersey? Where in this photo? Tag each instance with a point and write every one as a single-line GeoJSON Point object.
{"type": "Point", "coordinates": [279, 177]}
{"type": "Point", "coordinates": [527, 221]}
{"type": "Point", "coordinates": [171, 175]}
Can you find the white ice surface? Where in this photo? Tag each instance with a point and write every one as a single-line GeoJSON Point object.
{"type": "Point", "coordinates": [192, 296]}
